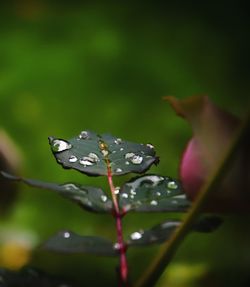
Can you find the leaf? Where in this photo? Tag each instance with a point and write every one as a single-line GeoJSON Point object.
{"type": "Point", "coordinates": [153, 193]}
{"type": "Point", "coordinates": [30, 277]}
{"type": "Point", "coordinates": [89, 198]}
{"type": "Point", "coordinates": [91, 154]}
{"type": "Point", "coordinates": [162, 232]}
{"type": "Point", "coordinates": [70, 242]}
{"type": "Point", "coordinates": [157, 234]}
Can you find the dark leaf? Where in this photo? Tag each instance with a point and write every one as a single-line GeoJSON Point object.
{"type": "Point", "coordinates": [207, 224]}
{"type": "Point", "coordinates": [70, 242]}
{"type": "Point", "coordinates": [91, 153]}
{"type": "Point", "coordinates": [153, 193]}
{"type": "Point", "coordinates": [30, 277]}
{"type": "Point", "coordinates": [162, 232]}
{"type": "Point", "coordinates": [157, 234]}
{"type": "Point", "coordinates": [89, 198]}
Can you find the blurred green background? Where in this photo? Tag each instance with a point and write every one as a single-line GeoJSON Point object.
{"type": "Point", "coordinates": [67, 66]}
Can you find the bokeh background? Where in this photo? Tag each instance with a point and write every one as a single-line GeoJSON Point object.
{"type": "Point", "coordinates": [67, 66]}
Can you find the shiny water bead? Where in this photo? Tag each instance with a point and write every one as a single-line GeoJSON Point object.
{"type": "Point", "coordinates": [118, 141]}
{"type": "Point", "coordinates": [73, 158]}
{"type": "Point", "coordinates": [104, 198]}
{"type": "Point", "coordinates": [60, 145]}
{"type": "Point", "coordinates": [66, 234]}
{"type": "Point", "coordinates": [172, 185]}
{"type": "Point", "coordinates": [84, 135]}
{"type": "Point", "coordinates": [136, 235]}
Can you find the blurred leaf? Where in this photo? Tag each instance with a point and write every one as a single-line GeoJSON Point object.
{"type": "Point", "coordinates": [30, 277]}
{"type": "Point", "coordinates": [70, 242]}
{"type": "Point", "coordinates": [153, 193]}
{"type": "Point", "coordinates": [213, 131]}
{"type": "Point", "coordinates": [10, 159]}
{"type": "Point", "coordinates": [162, 232]}
{"type": "Point", "coordinates": [89, 198]}
{"type": "Point", "coordinates": [91, 153]}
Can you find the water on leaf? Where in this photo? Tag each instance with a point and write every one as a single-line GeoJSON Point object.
{"type": "Point", "coordinates": [125, 195]}
{"type": "Point", "coordinates": [86, 161]}
{"type": "Point", "coordinates": [150, 146]}
{"type": "Point", "coordinates": [104, 198]}
{"type": "Point", "coordinates": [72, 158]}
{"type": "Point", "coordinates": [118, 141]}
{"type": "Point", "coordinates": [136, 235]}
{"type": "Point", "coordinates": [94, 157]}
{"type": "Point", "coordinates": [60, 145]}
{"type": "Point", "coordinates": [84, 135]}
{"type": "Point", "coordinates": [172, 185]}
{"type": "Point", "coordinates": [117, 190]}
{"type": "Point", "coordinates": [118, 170]}
{"type": "Point", "coordinates": [136, 159]}
{"type": "Point", "coordinates": [66, 234]}
{"type": "Point", "coordinates": [154, 202]}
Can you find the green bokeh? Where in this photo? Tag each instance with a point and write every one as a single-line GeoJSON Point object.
{"type": "Point", "coordinates": [67, 67]}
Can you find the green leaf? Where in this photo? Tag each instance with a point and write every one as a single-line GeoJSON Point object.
{"type": "Point", "coordinates": [89, 198]}
{"type": "Point", "coordinates": [162, 232]}
{"type": "Point", "coordinates": [91, 154]}
{"type": "Point", "coordinates": [153, 193]}
{"type": "Point", "coordinates": [70, 242]}
{"type": "Point", "coordinates": [157, 234]}
{"type": "Point", "coordinates": [30, 277]}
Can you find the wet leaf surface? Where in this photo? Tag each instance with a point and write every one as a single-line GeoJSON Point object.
{"type": "Point", "coordinates": [89, 198]}
{"type": "Point", "coordinates": [70, 242]}
{"type": "Point", "coordinates": [89, 153]}
{"type": "Point", "coordinates": [30, 277]}
{"type": "Point", "coordinates": [153, 193]}
{"type": "Point", "coordinates": [162, 232]}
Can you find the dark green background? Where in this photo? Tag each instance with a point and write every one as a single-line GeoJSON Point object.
{"type": "Point", "coordinates": [67, 66]}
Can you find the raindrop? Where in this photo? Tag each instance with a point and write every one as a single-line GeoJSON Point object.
{"type": "Point", "coordinates": [72, 158]}
{"type": "Point", "coordinates": [136, 235]}
{"type": "Point", "coordinates": [104, 198]}
{"type": "Point", "coordinates": [70, 186]}
{"type": "Point", "coordinates": [104, 152]}
{"type": "Point", "coordinates": [121, 149]}
{"type": "Point", "coordinates": [94, 157]}
{"type": "Point", "coordinates": [154, 202]}
{"type": "Point", "coordinates": [136, 159]}
{"type": "Point", "coordinates": [86, 161]}
{"type": "Point", "coordinates": [117, 246]}
{"type": "Point", "coordinates": [66, 234]}
{"type": "Point", "coordinates": [158, 193]}
{"type": "Point", "coordinates": [84, 135]}
{"type": "Point", "coordinates": [60, 145]}
{"type": "Point", "coordinates": [114, 151]}
{"type": "Point", "coordinates": [118, 170]}
{"type": "Point", "coordinates": [132, 191]}
{"type": "Point", "coordinates": [117, 190]}
{"type": "Point", "coordinates": [132, 196]}
{"type": "Point", "coordinates": [172, 185]}
{"type": "Point", "coordinates": [127, 162]}
{"type": "Point", "coordinates": [150, 146]}
{"type": "Point", "coordinates": [129, 155]}
{"type": "Point", "coordinates": [125, 195]}
{"type": "Point", "coordinates": [118, 141]}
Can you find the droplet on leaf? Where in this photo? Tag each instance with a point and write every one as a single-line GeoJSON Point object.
{"type": "Point", "coordinates": [172, 185]}
{"type": "Point", "coordinates": [118, 170]}
{"type": "Point", "coordinates": [104, 198]}
{"type": "Point", "coordinates": [136, 235]}
{"type": "Point", "coordinates": [72, 158]}
{"type": "Point", "coordinates": [60, 145]}
{"type": "Point", "coordinates": [84, 135]}
{"type": "Point", "coordinates": [154, 202]}
{"type": "Point", "coordinates": [66, 234]}
{"type": "Point", "coordinates": [118, 141]}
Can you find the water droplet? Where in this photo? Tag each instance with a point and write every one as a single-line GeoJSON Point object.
{"type": "Point", "coordinates": [118, 170]}
{"type": "Point", "coordinates": [132, 196]}
{"type": "Point", "coordinates": [86, 161]}
{"type": "Point", "coordinates": [172, 185]}
{"type": "Point", "coordinates": [84, 135]}
{"type": "Point", "coordinates": [114, 151]}
{"type": "Point", "coordinates": [136, 159]}
{"type": "Point", "coordinates": [94, 157]}
{"type": "Point", "coordinates": [125, 195]}
{"type": "Point", "coordinates": [132, 191]}
{"type": "Point", "coordinates": [118, 141]}
{"type": "Point", "coordinates": [129, 155]}
{"type": "Point", "coordinates": [150, 145]}
{"type": "Point", "coordinates": [136, 235]}
{"type": "Point", "coordinates": [158, 193]}
{"type": "Point", "coordinates": [154, 202]}
{"type": "Point", "coordinates": [127, 162]}
{"type": "Point", "coordinates": [70, 186]}
{"type": "Point", "coordinates": [104, 198]}
{"type": "Point", "coordinates": [104, 152]}
{"type": "Point", "coordinates": [117, 190]}
{"type": "Point", "coordinates": [117, 246]}
{"type": "Point", "coordinates": [60, 145]}
{"type": "Point", "coordinates": [121, 149]}
{"type": "Point", "coordinates": [66, 234]}
{"type": "Point", "coordinates": [72, 158]}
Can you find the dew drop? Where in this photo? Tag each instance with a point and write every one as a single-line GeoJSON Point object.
{"type": "Point", "coordinates": [117, 246]}
{"type": "Point", "coordinates": [117, 190]}
{"type": "Point", "coordinates": [136, 159]}
{"type": "Point", "coordinates": [66, 234]}
{"type": "Point", "coordinates": [118, 141]}
{"type": "Point", "coordinates": [172, 185]}
{"type": "Point", "coordinates": [72, 158]}
{"type": "Point", "coordinates": [104, 152]}
{"type": "Point", "coordinates": [150, 146]}
{"type": "Point", "coordinates": [136, 235]}
{"type": "Point", "coordinates": [118, 170]}
{"type": "Point", "coordinates": [60, 145]}
{"type": "Point", "coordinates": [104, 198]}
{"type": "Point", "coordinates": [132, 191]}
{"type": "Point", "coordinates": [70, 186]}
{"type": "Point", "coordinates": [132, 196]}
{"type": "Point", "coordinates": [127, 162]}
{"type": "Point", "coordinates": [84, 135]}
{"type": "Point", "coordinates": [86, 161]}
{"type": "Point", "coordinates": [129, 155]}
{"type": "Point", "coordinates": [158, 193]}
{"type": "Point", "coordinates": [94, 157]}
{"type": "Point", "coordinates": [154, 202]}
{"type": "Point", "coordinates": [121, 149]}
{"type": "Point", "coordinates": [125, 195]}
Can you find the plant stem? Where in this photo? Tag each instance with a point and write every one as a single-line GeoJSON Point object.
{"type": "Point", "coordinates": [159, 264]}
{"type": "Point", "coordinates": [118, 218]}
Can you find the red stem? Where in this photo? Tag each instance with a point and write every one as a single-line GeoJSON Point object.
{"type": "Point", "coordinates": [118, 218]}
